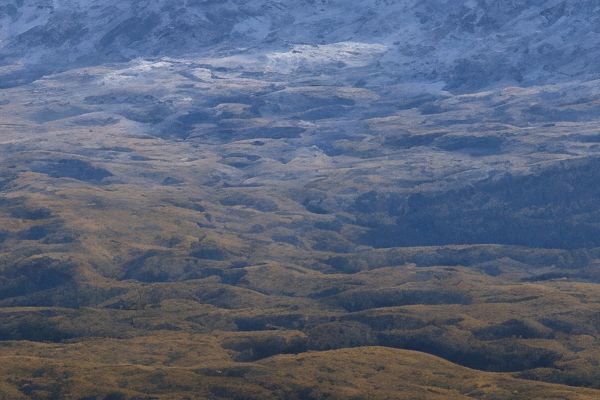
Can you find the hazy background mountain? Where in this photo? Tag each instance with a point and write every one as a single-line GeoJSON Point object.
{"type": "Point", "coordinates": [466, 44]}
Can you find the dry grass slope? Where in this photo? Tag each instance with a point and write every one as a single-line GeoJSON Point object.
{"type": "Point", "coordinates": [179, 366]}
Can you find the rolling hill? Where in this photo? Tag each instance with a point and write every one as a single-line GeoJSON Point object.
{"type": "Point", "coordinates": [299, 200]}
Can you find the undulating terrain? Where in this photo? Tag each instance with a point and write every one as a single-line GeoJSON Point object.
{"type": "Point", "coordinates": [303, 200]}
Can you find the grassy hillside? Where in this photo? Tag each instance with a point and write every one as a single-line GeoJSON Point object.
{"type": "Point", "coordinates": [179, 366]}
{"type": "Point", "coordinates": [212, 228]}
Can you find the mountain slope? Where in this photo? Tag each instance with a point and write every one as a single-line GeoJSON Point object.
{"type": "Point", "coordinates": [224, 199]}
{"type": "Point", "coordinates": [465, 44]}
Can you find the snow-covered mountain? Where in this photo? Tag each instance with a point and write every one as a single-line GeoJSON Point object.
{"type": "Point", "coordinates": [466, 44]}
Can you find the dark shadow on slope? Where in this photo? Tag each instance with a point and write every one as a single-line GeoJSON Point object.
{"type": "Point", "coordinates": [74, 169]}
{"type": "Point", "coordinates": [554, 208]}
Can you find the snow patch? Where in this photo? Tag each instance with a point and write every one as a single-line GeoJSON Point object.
{"type": "Point", "coordinates": [346, 54]}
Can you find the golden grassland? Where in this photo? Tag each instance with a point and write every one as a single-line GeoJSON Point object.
{"type": "Point", "coordinates": [195, 272]}
{"type": "Point", "coordinates": [179, 366]}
